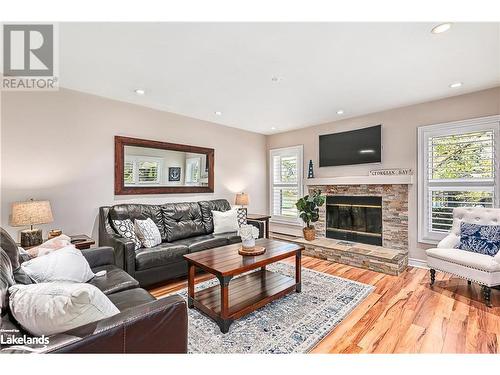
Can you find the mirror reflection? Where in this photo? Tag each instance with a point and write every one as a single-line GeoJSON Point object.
{"type": "Point", "coordinates": [144, 166]}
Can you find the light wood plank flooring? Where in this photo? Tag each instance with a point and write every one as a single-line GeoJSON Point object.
{"type": "Point", "coordinates": [405, 315]}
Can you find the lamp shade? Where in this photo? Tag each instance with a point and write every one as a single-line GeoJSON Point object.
{"type": "Point", "coordinates": [241, 199]}
{"type": "Point", "coordinates": [30, 213]}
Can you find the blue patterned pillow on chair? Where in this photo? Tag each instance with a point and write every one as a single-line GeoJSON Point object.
{"type": "Point", "coordinates": [482, 239]}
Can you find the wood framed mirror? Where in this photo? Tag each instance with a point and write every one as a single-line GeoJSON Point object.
{"type": "Point", "coordinates": [152, 167]}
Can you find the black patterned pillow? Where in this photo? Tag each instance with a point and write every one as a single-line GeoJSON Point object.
{"type": "Point", "coordinates": [242, 216]}
{"type": "Point", "coordinates": [126, 229]}
{"type": "Point", "coordinates": [147, 232]}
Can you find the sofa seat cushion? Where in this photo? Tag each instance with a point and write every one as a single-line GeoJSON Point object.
{"type": "Point", "coordinates": [465, 258]}
{"type": "Point", "coordinates": [231, 237]}
{"type": "Point", "coordinates": [160, 255]}
{"type": "Point", "coordinates": [115, 280]}
{"type": "Point", "coordinates": [128, 299]}
{"type": "Point", "coordinates": [199, 243]}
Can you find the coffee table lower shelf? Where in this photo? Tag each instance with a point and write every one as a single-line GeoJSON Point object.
{"type": "Point", "coordinates": [245, 294]}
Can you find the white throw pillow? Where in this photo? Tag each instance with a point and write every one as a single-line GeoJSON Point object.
{"type": "Point", "coordinates": [226, 221]}
{"type": "Point", "coordinates": [126, 229]}
{"type": "Point", "coordinates": [50, 308]}
{"type": "Point", "coordinates": [66, 264]}
{"type": "Point", "coordinates": [147, 232]}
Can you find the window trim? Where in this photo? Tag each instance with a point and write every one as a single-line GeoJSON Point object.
{"type": "Point", "coordinates": [451, 128]}
{"type": "Point", "coordinates": [297, 149]}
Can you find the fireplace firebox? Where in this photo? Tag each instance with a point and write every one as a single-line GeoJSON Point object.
{"type": "Point", "coordinates": [354, 218]}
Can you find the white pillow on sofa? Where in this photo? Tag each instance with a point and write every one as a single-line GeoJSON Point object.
{"type": "Point", "coordinates": [66, 264]}
{"type": "Point", "coordinates": [147, 232]}
{"type": "Point", "coordinates": [226, 221]}
{"type": "Point", "coordinates": [50, 308]}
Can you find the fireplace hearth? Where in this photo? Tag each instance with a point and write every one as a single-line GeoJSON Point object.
{"type": "Point", "coordinates": [354, 218]}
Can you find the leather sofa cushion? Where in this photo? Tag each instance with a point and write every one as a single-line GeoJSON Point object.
{"type": "Point", "coordinates": [182, 220]}
{"type": "Point", "coordinates": [206, 211]}
{"type": "Point", "coordinates": [199, 243]}
{"type": "Point", "coordinates": [160, 255]}
{"type": "Point", "coordinates": [465, 258]}
{"type": "Point", "coordinates": [141, 212]}
{"type": "Point", "coordinates": [231, 237]}
{"type": "Point", "coordinates": [128, 299]}
{"type": "Point", "coordinates": [115, 280]}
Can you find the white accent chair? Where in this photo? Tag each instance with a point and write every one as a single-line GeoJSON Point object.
{"type": "Point", "coordinates": [480, 268]}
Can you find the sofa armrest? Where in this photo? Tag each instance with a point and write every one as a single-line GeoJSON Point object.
{"type": "Point", "coordinates": [124, 251]}
{"type": "Point", "coordinates": [99, 256]}
{"type": "Point", "coordinates": [259, 225]}
{"type": "Point", "coordinates": [449, 242]}
{"type": "Point", "coordinates": [159, 326]}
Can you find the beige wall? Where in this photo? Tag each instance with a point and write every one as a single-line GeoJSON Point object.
{"type": "Point", "coordinates": [399, 135]}
{"type": "Point", "coordinates": [59, 146]}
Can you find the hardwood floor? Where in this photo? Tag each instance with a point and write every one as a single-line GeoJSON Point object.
{"type": "Point", "coordinates": [406, 315]}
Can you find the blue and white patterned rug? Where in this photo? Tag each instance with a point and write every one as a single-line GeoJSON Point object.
{"type": "Point", "coordinates": [292, 324]}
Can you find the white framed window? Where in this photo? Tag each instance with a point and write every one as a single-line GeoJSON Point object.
{"type": "Point", "coordinates": [142, 170]}
{"type": "Point", "coordinates": [458, 166]}
{"type": "Point", "coordinates": [193, 171]}
{"type": "Point", "coordinates": [286, 182]}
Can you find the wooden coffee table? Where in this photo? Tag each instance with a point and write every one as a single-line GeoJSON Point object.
{"type": "Point", "coordinates": [227, 302]}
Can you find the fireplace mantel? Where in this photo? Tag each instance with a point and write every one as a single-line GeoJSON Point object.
{"type": "Point", "coordinates": [360, 180]}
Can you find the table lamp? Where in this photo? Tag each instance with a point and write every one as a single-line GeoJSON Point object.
{"type": "Point", "coordinates": [31, 213]}
{"type": "Point", "coordinates": [241, 199]}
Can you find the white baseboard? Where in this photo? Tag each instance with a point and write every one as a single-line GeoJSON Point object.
{"type": "Point", "coordinates": [418, 263]}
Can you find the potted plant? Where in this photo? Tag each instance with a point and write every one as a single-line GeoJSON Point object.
{"type": "Point", "coordinates": [309, 212]}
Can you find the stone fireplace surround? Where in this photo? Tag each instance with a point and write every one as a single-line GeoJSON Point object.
{"type": "Point", "coordinates": [392, 256]}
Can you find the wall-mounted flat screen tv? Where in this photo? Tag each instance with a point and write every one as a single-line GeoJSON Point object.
{"type": "Point", "coordinates": [352, 147]}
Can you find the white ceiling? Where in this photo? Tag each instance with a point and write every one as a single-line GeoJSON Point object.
{"type": "Point", "coordinates": [196, 69]}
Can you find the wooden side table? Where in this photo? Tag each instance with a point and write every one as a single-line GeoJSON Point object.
{"type": "Point", "coordinates": [81, 241]}
{"type": "Point", "coordinates": [263, 218]}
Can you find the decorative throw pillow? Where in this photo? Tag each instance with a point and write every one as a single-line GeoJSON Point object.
{"type": "Point", "coordinates": [226, 221]}
{"type": "Point", "coordinates": [126, 229]}
{"type": "Point", "coordinates": [66, 264]}
{"type": "Point", "coordinates": [242, 216]}
{"type": "Point", "coordinates": [50, 308]}
{"type": "Point", "coordinates": [49, 246]}
{"type": "Point", "coordinates": [147, 232]}
{"type": "Point", "coordinates": [482, 239]}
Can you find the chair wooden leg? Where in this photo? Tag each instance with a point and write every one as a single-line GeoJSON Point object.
{"type": "Point", "coordinates": [433, 276]}
{"type": "Point", "coordinates": [487, 295]}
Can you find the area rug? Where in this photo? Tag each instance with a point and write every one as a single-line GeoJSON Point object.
{"type": "Point", "coordinates": [292, 324]}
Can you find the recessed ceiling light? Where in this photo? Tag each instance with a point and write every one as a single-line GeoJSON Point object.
{"type": "Point", "coordinates": [218, 113]}
{"type": "Point", "coordinates": [456, 85]}
{"type": "Point", "coordinates": [340, 112]}
{"type": "Point", "coordinates": [140, 91]}
{"type": "Point", "coordinates": [441, 28]}
{"type": "Point", "coordinates": [273, 127]}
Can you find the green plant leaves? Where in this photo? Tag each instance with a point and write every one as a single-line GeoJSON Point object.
{"type": "Point", "coordinates": [308, 207]}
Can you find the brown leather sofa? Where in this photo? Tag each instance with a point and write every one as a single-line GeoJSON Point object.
{"type": "Point", "coordinates": [144, 324]}
{"type": "Point", "coordinates": [185, 227]}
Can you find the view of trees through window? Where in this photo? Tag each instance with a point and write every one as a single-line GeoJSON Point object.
{"type": "Point", "coordinates": [463, 157]}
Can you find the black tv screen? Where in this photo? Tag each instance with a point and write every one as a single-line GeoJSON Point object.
{"type": "Point", "coordinates": [352, 147]}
